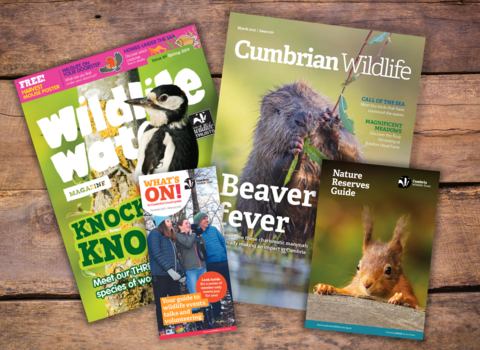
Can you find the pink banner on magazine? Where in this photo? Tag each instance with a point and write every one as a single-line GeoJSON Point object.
{"type": "Point", "coordinates": [206, 331]}
{"type": "Point", "coordinates": [104, 64]}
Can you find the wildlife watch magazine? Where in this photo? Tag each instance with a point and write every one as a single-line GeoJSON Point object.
{"type": "Point", "coordinates": [99, 123]}
{"type": "Point", "coordinates": [188, 254]}
{"type": "Point", "coordinates": [372, 249]}
{"type": "Point", "coordinates": [292, 95]}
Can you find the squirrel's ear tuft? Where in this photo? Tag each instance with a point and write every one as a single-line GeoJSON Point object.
{"type": "Point", "coordinates": [367, 227]}
{"type": "Point", "coordinates": [400, 234]}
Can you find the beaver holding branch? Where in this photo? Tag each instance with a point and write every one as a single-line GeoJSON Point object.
{"type": "Point", "coordinates": [289, 114]}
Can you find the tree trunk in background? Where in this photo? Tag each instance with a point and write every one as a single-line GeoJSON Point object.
{"type": "Point", "coordinates": [196, 207]}
{"type": "Point", "coordinates": [123, 187]}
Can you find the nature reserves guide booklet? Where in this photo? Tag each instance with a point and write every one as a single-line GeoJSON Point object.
{"type": "Point", "coordinates": [188, 254]}
{"type": "Point", "coordinates": [372, 249]}
{"type": "Point", "coordinates": [87, 140]}
{"type": "Point", "coordinates": [293, 94]}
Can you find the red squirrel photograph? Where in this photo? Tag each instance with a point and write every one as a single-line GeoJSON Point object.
{"type": "Point", "coordinates": [379, 273]}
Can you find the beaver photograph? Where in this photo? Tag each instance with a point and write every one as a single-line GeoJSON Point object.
{"type": "Point", "coordinates": [289, 114]}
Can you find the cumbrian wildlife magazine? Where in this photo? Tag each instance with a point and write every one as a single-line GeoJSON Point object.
{"type": "Point", "coordinates": [87, 140]}
{"type": "Point", "coordinates": [293, 94]}
{"type": "Point", "coordinates": [372, 250]}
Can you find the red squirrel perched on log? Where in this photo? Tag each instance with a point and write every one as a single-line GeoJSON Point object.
{"type": "Point", "coordinates": [379, 272]}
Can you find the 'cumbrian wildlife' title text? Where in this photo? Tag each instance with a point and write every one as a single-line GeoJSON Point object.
{"type": "Point", "coordinates": [386, 68]}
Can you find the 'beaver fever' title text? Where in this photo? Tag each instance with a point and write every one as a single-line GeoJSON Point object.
{"type": "Point", "coordinates": [261, 193]}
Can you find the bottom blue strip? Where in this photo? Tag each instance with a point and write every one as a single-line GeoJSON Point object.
{"type": "Point", "coordinates": [352, 328]}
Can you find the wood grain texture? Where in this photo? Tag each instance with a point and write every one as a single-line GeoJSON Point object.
{"type": "Point", "coordinates": [9, 102]}
{"type": "Point", "coordinates": [42, 34]}
{"type": "Point", "coordinates": [29, 234]}
{"type": "Point", "coordinates": [263, 1]}
{"type": "Point", "coordinates": [451, 323]}
{"type": "Point", "coordinates": [447, 127]}
{"type": "Point", "coordinates": [446, 133]}
{"type": "Point", "coordinates": [64, 31]}
{"type": "Point", "coordinates": [35, 259]}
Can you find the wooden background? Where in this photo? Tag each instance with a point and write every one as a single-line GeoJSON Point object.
{"type": "Point", "coordinates": [39, 302]}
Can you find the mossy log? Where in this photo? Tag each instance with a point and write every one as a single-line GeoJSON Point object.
{"type": "Point", "coordinates": [363, 311]}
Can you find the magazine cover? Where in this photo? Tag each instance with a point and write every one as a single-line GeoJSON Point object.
{"type": "Point", "coordinates": [372, 249]}
{"type": "Point", "coordinates": [98, 124]}
{"type": "Point", "coordinates": [188, 254]}
{"type": "Point", "coordinates": [293, 94]}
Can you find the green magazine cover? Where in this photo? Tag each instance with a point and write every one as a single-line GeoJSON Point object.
{"type": "Point", "coordinates": [293, 94]}
{"type": "Point", "coordinates": [87, 119]}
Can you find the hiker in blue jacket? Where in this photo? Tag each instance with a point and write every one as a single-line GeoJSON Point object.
{"type": "Point", "coordinates": [216, 256]}
{"type": "Point", "coordinates": [164, 264]}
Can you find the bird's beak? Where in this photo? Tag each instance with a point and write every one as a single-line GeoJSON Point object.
{"type": "Point", "coordinates": [144, 102]}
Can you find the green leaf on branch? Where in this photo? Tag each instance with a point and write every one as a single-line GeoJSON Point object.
{"type": "Point", "coordinates": [348, 123]}
{"type": "Point", "coordinates": [258, 232]}
{"type": "Point", "coordinates": [378, 38]}
{"type": "Point", "coordinates": [88, 273]}
{"type": "Point", "coordinates": [352, 79]}
{"type": "Point", "coordinates": [280, 235]}
{"type": "Point", "coordinates": [291, 169]}
{"type": "Point", "coordinates": [313, 153]}
{"type": "Point", "coordinates": [343, 102]}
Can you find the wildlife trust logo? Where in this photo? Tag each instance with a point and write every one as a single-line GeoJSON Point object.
{"type": "Point", "coordinates": [189, 183]}
{"type": "Point", "coordinates": [202, 123]}
{"type": "Point", "coordinates": [404, 182]}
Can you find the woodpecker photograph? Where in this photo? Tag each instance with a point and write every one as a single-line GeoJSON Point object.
{"type": "Point", "coordinates": [169, 142]}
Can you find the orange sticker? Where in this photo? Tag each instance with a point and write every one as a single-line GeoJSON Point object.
{"type": "Point", "coordinates": [212, 285]}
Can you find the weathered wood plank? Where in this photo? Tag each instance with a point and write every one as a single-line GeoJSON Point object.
{"type": "Point", "coordinates": [451, 323]}
{"type": "Point", "coordinates": [456, 241]}
{"type": "Point", "coordinates": [268, 1]}
{"type": "Point", "coordinates": [455, 156]}
{"type": "Point", "coordinates": [35, 259]}
{"type": "Point", "coordinates": [29, 234]}
{"type": "Point", "coordinates": [60, 32]}
{"type": "Point", "coordinates": [9, 101]}
{"type": "Point", "coordinates": [447, 127]}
